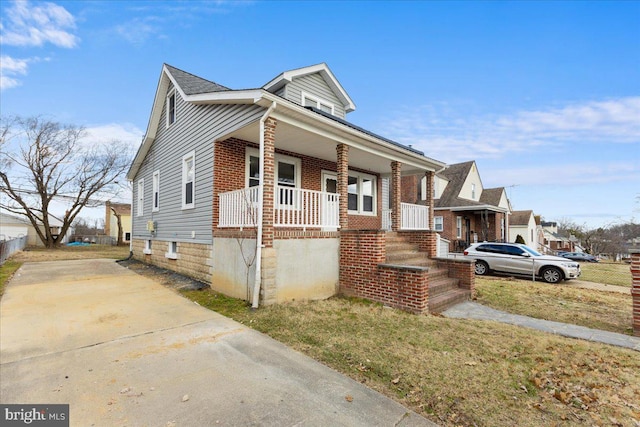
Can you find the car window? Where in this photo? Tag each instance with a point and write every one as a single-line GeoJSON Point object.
{"type": "Point", "coordinates": [513, 250]}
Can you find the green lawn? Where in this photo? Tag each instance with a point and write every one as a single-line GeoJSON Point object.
{"type": "Point", "coordinates": [609, 273]}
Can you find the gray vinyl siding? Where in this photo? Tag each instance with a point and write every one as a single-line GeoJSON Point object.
{"type": "Point", "coordinates": [314, 84]}
{"type": "Point", "coordinates": [195, 129]}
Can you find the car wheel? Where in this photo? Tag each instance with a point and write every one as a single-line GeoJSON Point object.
{"type": "Point", "coordinates": [482, 268]}
{"type": "Point", "coordinates": [552, 275]}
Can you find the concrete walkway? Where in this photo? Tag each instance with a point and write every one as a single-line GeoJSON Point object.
{"type": "Point", "coordinates": [123, 350]}
{"type": "Point", "coordinates": [473, 310]}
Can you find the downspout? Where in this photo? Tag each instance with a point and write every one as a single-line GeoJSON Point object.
{"type": "Point", "coordinates": [258, 278]}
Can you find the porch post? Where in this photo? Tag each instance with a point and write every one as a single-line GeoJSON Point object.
{"type": "Point", "coordinates": [396, 199]}
{"type": "Point", "coordinates": [342, 151]}
{"type": "Point", "coordinates": [429, 199]}
{"type": "Point", "coordinates": [268, 180]}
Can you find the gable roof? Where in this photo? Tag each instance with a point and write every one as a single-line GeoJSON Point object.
{"type": "Point", "coordinates": [492, 196]}
{"type": "Point", "coordinates": [457, 174]}
{"type": "Point", "coordinates": [324, 71]}
{"type": "Point", "coordinates": [216, 94]}
{"type": "Point", "coordinates": [192, 84]}
{"type": "Point", "coordinates": [520, 217]}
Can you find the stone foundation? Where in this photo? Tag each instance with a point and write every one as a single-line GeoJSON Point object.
{"type": "Point", "coordinates": [193, 259]}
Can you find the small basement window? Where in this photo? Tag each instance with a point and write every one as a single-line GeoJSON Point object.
{"type": "Point", "coordinates": [172, 250]}
{"type": "Point", "coordinates": [147, 247]}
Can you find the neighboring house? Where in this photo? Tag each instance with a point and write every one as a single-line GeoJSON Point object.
{"type": "Point", "coordinates": [523, 223]}
{"type": "Point", "coordinates": [14, 226]}
{"type": "Point", "coordinates": [555, 242]}
{"type": "Point", "coordinates": [465, 212]}
{"type": "Point", "coordinates": [111, 221]}
{"type": "Point", "coordinates": [270, 194]}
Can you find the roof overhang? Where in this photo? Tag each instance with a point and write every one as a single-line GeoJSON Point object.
{"type": "Point", "coordinates": [326, 74]}
{"type": "Point", "coordinates": [369, 152]}
{"type": "Point", "coordinates": [472, 208]}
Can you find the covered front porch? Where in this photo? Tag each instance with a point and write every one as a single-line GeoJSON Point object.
{"type": "Point", "coordinates": [287, 188]}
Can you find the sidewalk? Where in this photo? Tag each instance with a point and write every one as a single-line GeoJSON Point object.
{"type": "Point", "coordinates": [473, 310]}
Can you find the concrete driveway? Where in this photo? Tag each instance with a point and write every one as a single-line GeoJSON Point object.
{"type": "Point", "coordinates": [123, 350]}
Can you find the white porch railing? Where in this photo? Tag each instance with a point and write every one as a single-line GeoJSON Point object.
{"type": "Point", "coordinates": [239, 208]}
{"type": "Point", "coordinates": [294, 207]}
{"type": "Point", "coordinates": [414, 217]}
{"type": "Point", "coordinates": [386, 219]}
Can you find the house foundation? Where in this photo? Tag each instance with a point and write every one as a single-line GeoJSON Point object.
{"type": "Point", "coordinates": [635, 290]}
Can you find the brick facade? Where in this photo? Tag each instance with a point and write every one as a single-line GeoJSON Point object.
{"type": "Point", "coordinates": [229, 174]}
{"type": "Point", "coordinates": [635, 290]}
{"type": "Point", "coordinates": [363, 273]}
{"type": "Point", "coordinates": [396, 195]}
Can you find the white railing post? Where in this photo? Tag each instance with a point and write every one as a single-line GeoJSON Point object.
{"type": "Point", "coordinates": [294, 207]}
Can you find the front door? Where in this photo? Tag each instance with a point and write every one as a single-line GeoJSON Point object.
{"type": "Point", "coordinates": [330, 207]}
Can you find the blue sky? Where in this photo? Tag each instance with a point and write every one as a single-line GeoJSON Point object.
{"type": "Point", "coordinates": [544, 96]}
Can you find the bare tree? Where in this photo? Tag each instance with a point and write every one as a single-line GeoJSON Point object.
{"type": "Point", "coordinates": [42, 161]}
{"type": "Point", "coordinates": [119, 222]}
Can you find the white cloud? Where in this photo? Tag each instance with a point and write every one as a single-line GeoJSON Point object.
{"type": "Point", "coordinates": [445, 134]}
{"type": "Point", "coordinates": [11, 67]}
{"type": "Point", "coordinates": [138, 30]}
{"type": "Point", "coordinates": [27, 24]}
{"type": "Point", "coordinates": [100, 134]}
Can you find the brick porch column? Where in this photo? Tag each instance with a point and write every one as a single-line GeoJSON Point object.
{"type": "Point", "coordinates": [268, 181]}
{"type": "Point", "coordinates": [429, 199]}
{"type": "Point", "coordinates": [635, 290]}
{"type": "Point", "coordinates": [342, 151]}
{"type": "Point", "coordinates": [396, 199]}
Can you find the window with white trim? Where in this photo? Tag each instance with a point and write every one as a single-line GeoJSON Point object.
{"type": "Point", "coordinates": [362, 190]}
{"type": "Point", "coordinates": [171, 108]}
{"type": "Point", "coordinates": [147, 247]}
{"type": "Point", "coordinates": [288, 171]}
{"type": "Point", "coordinates": [458, 226]}
{"type": "Point", "coordinates": [140, 199]}
{"type": "Point", "coordinates": [320, 104]}
{"type": "Point", "coordinates": [155, 204]}
{"type": "Point", "coordinates": [172, 250]}
{"type": "Point", "coordinates": [188, 180]}
{"type": "Point", "coordinates": [473, 191]}
{"type": "Point", "coordinates": [438, 223]}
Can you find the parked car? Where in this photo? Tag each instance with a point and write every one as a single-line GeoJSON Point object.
{"type": "Point", "coordinates": [579, 256]}
{"type": "Point", "coordinates": [515, 258]}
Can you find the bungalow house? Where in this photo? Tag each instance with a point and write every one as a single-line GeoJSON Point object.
{"type": "Point", "coordinates": [465, 212]}
{"type": "Point", "coordinates": [271, 195]}
{"type": "Point", "coordinates": [553, 241]}
{"type": "Point", "coordinates": [523, 223]}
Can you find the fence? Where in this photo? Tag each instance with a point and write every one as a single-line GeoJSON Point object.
{"type": "Point", "coordinates": [98, 240]}
{"type": "Point", "coordinates": [9, 247]}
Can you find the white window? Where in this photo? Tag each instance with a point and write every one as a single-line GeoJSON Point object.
{"type": "Point", "coordinates": [361, 191]}
{"type": "Point", "coordinates": [320, 104]}
{"type": "Point", "coordinates": [147, 247]}
{"type": "Point", "coordinates": [473, 191]}
{"type": "Point", "coordinates": [438, 223]}
{"type": "Point", "coordinates": [156, 191]}
{"type": "Point", "coordinates": [458, 226]}
{"type": "Point", "coordinates": [188, 180]}
{"type": "Point", "coordinates": [172, 250]}
{"type": "Point", "coordinates": [140, 199]}
{"type": "Point", "coordinates": [171, 108]}
{"type": "Point", "coordinates": [288, 171]}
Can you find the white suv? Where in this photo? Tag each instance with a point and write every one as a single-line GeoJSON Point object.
{"type": "Point", "coordinates": [515, 258]}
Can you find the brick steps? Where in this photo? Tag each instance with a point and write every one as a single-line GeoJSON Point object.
{"type": "Point", "coordinates": [444, 291]}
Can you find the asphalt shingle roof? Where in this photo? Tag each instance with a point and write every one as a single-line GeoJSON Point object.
{"type": "Point", "coordinates": [191, 84]}
{"type": "Point", "coordinates": [520, 217]}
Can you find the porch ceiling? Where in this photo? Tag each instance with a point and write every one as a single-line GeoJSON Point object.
{"type": "Point", "coordinates": [322, 145]}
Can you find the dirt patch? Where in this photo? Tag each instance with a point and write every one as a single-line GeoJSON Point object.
{"type": "Point", "coordinates": [167, 278]}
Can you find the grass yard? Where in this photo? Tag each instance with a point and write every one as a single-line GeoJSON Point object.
{"type": "Point", "coordinates": [609, 311]}
{"type": "Point", "coordinates": [6, 271]}
{"type": "Point", "coordinates": [456, 372]}
{"type": "Point", "coordinates": [37, 254]}
{"type": "Point", "coordinates": [610, 273]}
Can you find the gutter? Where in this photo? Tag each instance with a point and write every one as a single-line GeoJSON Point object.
{"type": "Point", "coordinates": [258, 278]}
